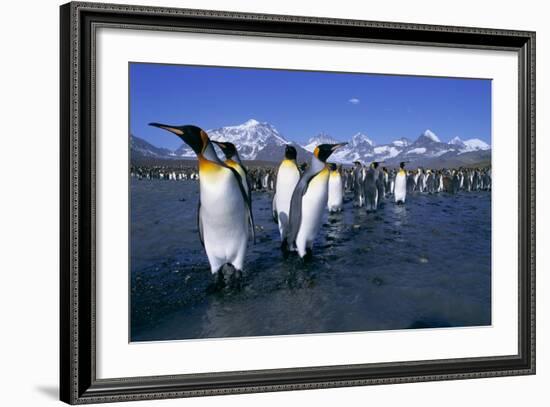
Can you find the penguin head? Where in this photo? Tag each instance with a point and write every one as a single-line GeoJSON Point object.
{"type": "Point", "coordinates": [228, 149]}
{"type": "Point", "coordinates": [374, 164]}
{"type": "Point", "coordinates": [402, 164]}
{"type": "Point", "coordinates": [332, 166]}
{"type": "Point", "coordinates": [323, 151]}
{"type": "Point", "coordinates": [290, 152]}
{"type": "Point", "coordinates": [193, 136]}
{"type": "Point", "coordinates": [357, 163]}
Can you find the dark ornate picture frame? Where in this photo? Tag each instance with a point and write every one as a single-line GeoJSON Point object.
{"type": "Point", "coordinates": [78, 381]}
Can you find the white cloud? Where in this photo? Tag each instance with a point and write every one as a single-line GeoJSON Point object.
{"type": "Point", "coordinates": [354, 101]}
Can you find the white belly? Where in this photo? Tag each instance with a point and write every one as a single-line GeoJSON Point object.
{"type": "Point", "coordinates": [287, 178]}
{"type": "Point", "coordinates": [335, 192]}
{"type": "Point", "coordinates": [223, 216]}
{"type": "Point", "coordinates": [400, 190]}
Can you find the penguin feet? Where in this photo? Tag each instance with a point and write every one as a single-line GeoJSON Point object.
{"type": "Point", "coordinates": [308, 257]}
{"type": "Point", "coordinates": [284, 245]}
{"type": "Point", "coordinates": [218, 282]}
{"type": "Point", "coordinates": [285, 250]}
{"type": "Point", "coordinates": [228, 278]}
{"type": "Point", "coordinates": [236, 280]}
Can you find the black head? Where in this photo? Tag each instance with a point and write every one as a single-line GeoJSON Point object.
{"type": "Point", "coordinates": [357, 163]}
{"type": "Point", "coordinates": [402, 164]}
{"type": "Point", "coordinates": [228, 149]}
{"type": "Point", "coordinates": [193, 136]}
{"type": "Point", "coordinates": [374, 164]}
{"type": "Point", "coordinates": [323, 151]}
{"type": "Point", "coordinates": [290, 152]}
{"type": "Point", "coordinates": [332, 166]}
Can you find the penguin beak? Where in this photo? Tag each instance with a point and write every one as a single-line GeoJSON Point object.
{"type": "Point", "coordinates": [172, 129]}
{"type": "Point", "coordinates": [337, 146]}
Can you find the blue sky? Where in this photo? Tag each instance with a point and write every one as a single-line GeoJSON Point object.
{"type": "Point", "coordinates": [302, 104]}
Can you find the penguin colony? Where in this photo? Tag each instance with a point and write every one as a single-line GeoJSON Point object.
{"type": "Point", "coordinates": [301, 194]}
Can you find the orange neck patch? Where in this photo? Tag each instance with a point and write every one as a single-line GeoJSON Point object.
{"type": "Point", "coordinates": [288, 163]}
{"type": "Point", "coordinates": [208, 167]}
{"type": "Point", "coordinates": [232, 164]}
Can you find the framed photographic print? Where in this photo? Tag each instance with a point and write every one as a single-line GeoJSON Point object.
{"type": "Point", "coordinates": [256, 203]}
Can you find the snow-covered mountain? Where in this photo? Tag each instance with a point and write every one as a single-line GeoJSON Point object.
{"type": "Point", "coordinates": [427, 137]}
{"type": "Point", "coordinates": [401, 142]}
{"type": "Point", "coordinates": [262, 141]}
{"type": "Point", "coordinates": [254, 141]}
{"type": "Point", "coordinates": [427, 146]}
{"type": "Point", "coordinates": [321, 138]}
{"type": "Point", "coordinates": [477, 144]}
{"type": "Point", "coordinates": [359, 147]}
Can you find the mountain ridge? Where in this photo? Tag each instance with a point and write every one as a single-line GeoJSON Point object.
{"type": "Point", "coordinates": [257, 140]}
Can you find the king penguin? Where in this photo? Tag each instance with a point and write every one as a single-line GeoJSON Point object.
{"type": "Point", "coordinates": [335, 189]}
{"type": "Point", "coordinates": [358, 195]}
{"type": "Point", "coordinates": [288, 176]}
{"type": "Point", "coordinates": [371, 188]}
{"type": "Point", "coordinates": [400, 189]}
{"type": "Point", "coordinates": [224, 214]}
{"type": "Point", "coordinates": [309, 200]}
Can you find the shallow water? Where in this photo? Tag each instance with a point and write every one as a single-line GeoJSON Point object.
{"type": "Point", "coordinates": [426, 264]}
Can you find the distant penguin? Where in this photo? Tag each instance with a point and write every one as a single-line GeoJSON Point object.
{"type": "Point", "coordinates": [475, 180]}
{"type": "Point", "coordinates": [224, 214]}
{"type": "Point", "coordinates": [439, 182]}
{"type": "Point", "coordinates": [455, 182]}
{"type": "Point", "coordinates": [461, 179]}
{"type": "Point", "coordinates": [309, 200]}
{"type": "Point", "coordinates": [370, 187]}
{"type": "Point", "coordinates": [400, 189]}
{"type": "Point", "coordinates": [265, 181]}
{"type": "Point", "coordinates": [411, 183]}
{"type": "Point", "coordinates": [391, 181]}
{"type": "Point", "coordinates": [424, 179]}
{"type": "Point", "coordinates": [380, 185]}
{"type": "Point", "coordinates": [385, 180]}
{"type": "Point", "coordinates": [487, 180]}
{"type": "Point", "coordinates": [430, 182]}
{"type": "Point", "coordinates": [418, 178]}
{"type": "Point", "coordinates": [467, 182]}
{"type": "Point", "coordinates": [358, 195]}
{"type": "Point", "coordinates": [288, 176]}
{"type": "Point", "coordinates": [335, 189]}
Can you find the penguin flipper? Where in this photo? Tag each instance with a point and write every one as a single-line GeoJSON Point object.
{"type": "Point", "coordinates": [199, 224]}
{"type": "Point", "coordinates": [251, 222]}
{"type": "Point", "coordinates": [247, 199]}
{"type": "Point", "coordinates": [274, 210]}
{"type": "Point", "coordinates": [249, 202]}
